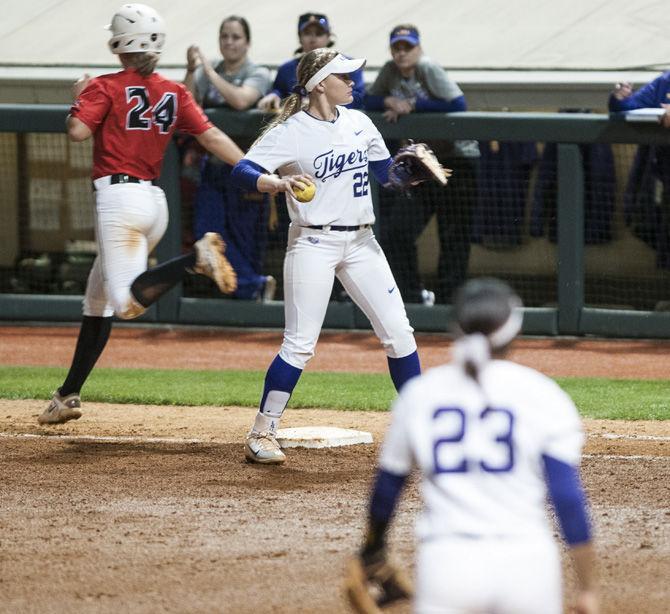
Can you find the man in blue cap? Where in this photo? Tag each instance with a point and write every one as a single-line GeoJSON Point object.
{"type": "Point", "coordinates": [314, 32]}
{"type": "Point", "coordinates": [412, 82]}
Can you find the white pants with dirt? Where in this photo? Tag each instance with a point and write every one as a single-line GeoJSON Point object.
{"type": "Point", "coordinates": [503, 576]}
{"type": "Point", "coordinates": [131, 218]}
{"type": "Point", "coordinates": [313, 259]}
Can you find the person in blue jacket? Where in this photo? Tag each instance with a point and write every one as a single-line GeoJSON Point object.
{"type": "Point", "coordinates": [655, 94]}
{"type": "Point", "coordinates": [314, 31]}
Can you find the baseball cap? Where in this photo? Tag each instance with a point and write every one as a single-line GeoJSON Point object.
{"type": "Point", "coordinates": [308, 19]}
{"type": "Point", "coordinates": [339, 65]}
{"type": "Point", "coordinates": [403, 33]}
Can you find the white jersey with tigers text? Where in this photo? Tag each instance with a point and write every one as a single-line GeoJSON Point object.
{"type": "Point", "coordinates": [336, 154]}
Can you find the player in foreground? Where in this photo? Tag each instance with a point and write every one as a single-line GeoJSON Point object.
{"type": "Point", "coordinates": [331, 234]}
{"type": "Point", "coordinates": [131, 116]}
{"type": "Point", "coordinates": [491, 439]}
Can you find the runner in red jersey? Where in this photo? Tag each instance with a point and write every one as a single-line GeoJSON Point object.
{"type": "Point", "coordinates": [132, 116]}
{"type": "Point", "coordinates": [133, 119]}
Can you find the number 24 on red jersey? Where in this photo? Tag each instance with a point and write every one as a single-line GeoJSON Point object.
{"type": "Point", "coordinates": [142, 115]}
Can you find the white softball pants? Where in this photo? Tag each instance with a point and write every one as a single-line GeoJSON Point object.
{"type": "Point", "coordinates": [313, 259]}
{"type": "Point", "coordinates": [478, 576]}
{"type": "Point", "coordinates": [131, 219]}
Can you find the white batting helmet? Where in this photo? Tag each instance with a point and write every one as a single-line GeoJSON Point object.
{"type": "Point", "coordinates": [136, 28]}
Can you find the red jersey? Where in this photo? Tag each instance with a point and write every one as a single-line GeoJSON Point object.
{"type": "Point", "coordinates": [133, 118]}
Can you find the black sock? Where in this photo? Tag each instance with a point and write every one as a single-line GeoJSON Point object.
{"type": "Point", "coordinates": [154, 283]}
{"type": "Point", "coordinates": [93, 336]}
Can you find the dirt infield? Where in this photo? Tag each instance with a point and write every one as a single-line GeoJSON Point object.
{"type": "Point", "coordinates": [206, 348]}
{"type": "Point", "coordinates": [152, 509]}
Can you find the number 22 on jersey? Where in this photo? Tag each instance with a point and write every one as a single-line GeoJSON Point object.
{"type": "Point", "coordinates": [360, 184]}
{"type": "Point", "coordinates": [143, 115]}
{"type": "Point", "coordinates": [495, 451]}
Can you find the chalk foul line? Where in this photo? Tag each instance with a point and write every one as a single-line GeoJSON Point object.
{"type": "Point", "coordinates": [184, 441]}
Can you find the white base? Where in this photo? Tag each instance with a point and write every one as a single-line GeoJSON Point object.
{"type": "Point", "coordinates": [321, 437]}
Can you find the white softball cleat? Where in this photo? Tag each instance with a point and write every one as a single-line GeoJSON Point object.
{"type": "Point", "coordinates": [263, 448]}
{"type": "Point", "coordinates": [428, 297]}
{"type": "Point", "coordinates": [211, 262]}
{"type": "Point", "coordinates": [61, 409]}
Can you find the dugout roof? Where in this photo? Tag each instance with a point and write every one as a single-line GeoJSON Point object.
{"type": "Point", "coordinates": [476, 34]}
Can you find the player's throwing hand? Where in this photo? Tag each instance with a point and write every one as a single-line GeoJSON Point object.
{"type": "Point", "coordinates": [274, 183]}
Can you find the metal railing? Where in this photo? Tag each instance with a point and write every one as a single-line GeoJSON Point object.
{"type": "Point", "coordinates": [570, 315]}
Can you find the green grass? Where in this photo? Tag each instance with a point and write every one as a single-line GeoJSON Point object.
{"type": "Point", "coordinates": [595, 397]}
{"type": "Point", "coordinates": [619, 399]}
{"type": "Point", "coordinates": [182, 387]}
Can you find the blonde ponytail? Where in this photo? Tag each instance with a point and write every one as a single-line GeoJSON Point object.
{"type": "Point", "coordinates": [290, 106]}
{"type": "Point", "coordinates": [308, 66]}
{"type": "Point", "coordinates": [144, 62]}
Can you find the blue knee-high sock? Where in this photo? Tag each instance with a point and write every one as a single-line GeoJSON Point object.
{"type": "Point", "coordinates": [403, 369]}
{"type": "Point", "coordinates": [280, 380]}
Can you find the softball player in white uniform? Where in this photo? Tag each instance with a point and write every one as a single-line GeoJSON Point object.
{"type": "Point", "coordinates": [490, 438]}
{"type": "Point", "coordinates": [335, 148]}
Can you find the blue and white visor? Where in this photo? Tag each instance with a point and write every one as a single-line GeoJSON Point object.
{"type": "Point", "coordinates": [339, 65]}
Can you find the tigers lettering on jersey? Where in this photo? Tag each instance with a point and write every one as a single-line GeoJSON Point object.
{"type": "Point", "coordinates": [329, 164]}
{"type": "Point", "coordinates": [336, 154]}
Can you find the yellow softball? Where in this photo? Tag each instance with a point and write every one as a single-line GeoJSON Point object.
{"type": "Point", "coordinates": [304, 192]}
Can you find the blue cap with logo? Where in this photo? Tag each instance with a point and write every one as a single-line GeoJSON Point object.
{"type": "Point", "coordinates": [403, 33]}
{"type": "Point", "coordinates": [307, 19]}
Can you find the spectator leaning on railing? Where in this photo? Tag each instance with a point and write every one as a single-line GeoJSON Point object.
{"type": "Point", "coordinates": [235, 81]}
{"type": "Point", "coordinates": [656, 94]}
{"type": "Point", "coordinates": [240, 218]}
{"type": "Point", "coordinates": [412, 82]}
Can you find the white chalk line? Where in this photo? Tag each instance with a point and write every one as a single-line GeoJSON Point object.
{"type": "Point", "coordinates": [178, 440]}
{"type": "Point", "coordinates": [182, 441]}
{"type": "Point", "coordinates": [626, 457]}
{"type": "Point", "coordinates": [631, 436]}
{"type": "Point", "coordinates": [105, 439]}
